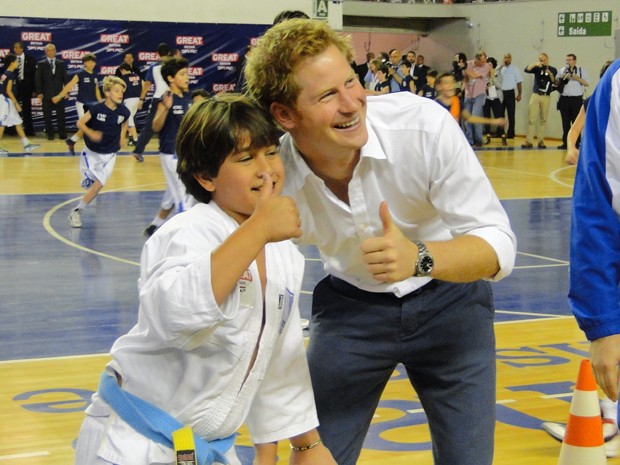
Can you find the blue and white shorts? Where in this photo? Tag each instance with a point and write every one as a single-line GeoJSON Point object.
{"type": "Point", "coordinates": [96, 167]}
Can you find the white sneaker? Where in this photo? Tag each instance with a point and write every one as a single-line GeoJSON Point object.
{"type": "Point", "coordinates": [75, 219]}
{"type": "Point", "coordinates": [30, 147]}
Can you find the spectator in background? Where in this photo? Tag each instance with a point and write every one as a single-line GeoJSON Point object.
{"type": "Point", "coordinates": [459, 65]}
{"type": "Point", "coordinates": [571, 82]}
{"type": "Point", "coordinates": [363, 69]}
{"type": "Point", "coordinates": [538, 107]}
{"type": "Point", "coordinates": [476, 78]}
{"type": "Point", "coordinates": [428, 90]}
{"type": "Point", "coordinates": [419, 72]}
{"type": "Point", "coordinates": [25, 85]}
{"type": "Point", "coordinates": [50, 78]}
{"type": "Point", "coordinates": [511, 80]}
{"type": "Point", "coordinates": [494, 103]}
{"type": "Point", "coordinates": [396, 77]}
{"type": "Point", "coordinates": [407, 84]}
{"type": "Point", "coordinates": [371, 80]}
{"type": "Point", "coordinates": [383, 86]}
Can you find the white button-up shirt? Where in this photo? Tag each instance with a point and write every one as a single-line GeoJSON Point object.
{"type": "Point", "coordinates": [418, 160]}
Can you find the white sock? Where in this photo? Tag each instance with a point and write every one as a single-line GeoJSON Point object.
{"type": "Point", "coordinates": [74, 138]}
{"type": "Point", "coordinates": [81, 205]}
{"type": "Point", "coordinates": [25, 141]}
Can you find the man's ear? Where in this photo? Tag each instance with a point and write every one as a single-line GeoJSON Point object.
{"type": "Point", "coordinates": [284, 115]}
{"type": "Point", "coordinates": [205, 182]}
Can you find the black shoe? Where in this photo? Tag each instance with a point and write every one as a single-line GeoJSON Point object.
{"type": "Point", "coordinates": [527, 145]}
{"type": "Point", "coordinates": [50, 137]}
{"type": "Point", "coordinates": [504, 143]}
{"type": "Point", "coordinates": [478, 145]}
{"type": "Point", "coordinates": [562, 147]}
{"type": "Point", "coordinates": [70, 146]}
{"type": "Point", "coordinates": [148, 232]}
{"type": "Point", "coordinates": [541, 145]}
{"type": "Point", "coordinates": [62, 136]}
{"type": "Point", "coordinates": [487, 139]}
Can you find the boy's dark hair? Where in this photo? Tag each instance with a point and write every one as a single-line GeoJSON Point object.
{"type": "Point", "coordinates": [125, 66]}
{"type": "Point", "coordinates": [493, 61]}
{"type": "Point", "coordinates": [172, 66]}
{"type": "Point", "coordinates": [384, 69]}
{"type": "Point", "coordinates": [163, 50]}
{"type": "Point", "coordinates": [432, 73]}
{"type": "Point", "coordinates": [215, 128]}
{"type": "Point", "coordinates": [200, 93]}
{"type": "Point", "coordinates": [89, 57]}
{"type": "Point", "coordinates": [9, 58]}
{"type": "Point", "coordinates": [405, 63]}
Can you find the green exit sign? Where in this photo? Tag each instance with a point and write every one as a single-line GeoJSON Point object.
{"type": "Point", "coordinates": [584, 24]}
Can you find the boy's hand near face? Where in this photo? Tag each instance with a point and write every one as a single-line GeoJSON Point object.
{"type": "Point", "coordinates": [276, 217]}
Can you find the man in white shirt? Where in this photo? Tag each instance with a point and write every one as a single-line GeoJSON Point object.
{"type": "Point", "coordinates": [572, 80]}
{"type": "Point", "coordinates": [372, 179]}
{"type": "Point", "coordinates": [511, 81]}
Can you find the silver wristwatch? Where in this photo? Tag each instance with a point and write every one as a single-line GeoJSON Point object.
{"type": "Point", "coordinates": [424, 264]}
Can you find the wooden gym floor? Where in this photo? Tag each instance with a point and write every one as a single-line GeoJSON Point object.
{"type": "Point", "coordinates": [67, 294]}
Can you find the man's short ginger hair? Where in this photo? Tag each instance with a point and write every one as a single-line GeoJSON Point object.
{"type": "Point", "coordinates": [271, 66]}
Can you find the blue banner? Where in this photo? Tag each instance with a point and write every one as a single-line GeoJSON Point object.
{"type": "Point", "coordinates": [213, 50]}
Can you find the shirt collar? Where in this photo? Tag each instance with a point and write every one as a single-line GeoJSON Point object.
{"type": "Point", "coordinates": [297, 170]}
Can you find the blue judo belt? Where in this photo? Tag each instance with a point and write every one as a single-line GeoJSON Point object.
{"type": "Point", "coordinates": [155, 424]}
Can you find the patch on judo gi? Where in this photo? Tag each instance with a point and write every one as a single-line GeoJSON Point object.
{"type": "Point", "coordinates": [285, 303]}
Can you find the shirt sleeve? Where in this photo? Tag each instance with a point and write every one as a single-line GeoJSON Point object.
{"type": "Point", "coordinates": [595, 228]}
{"type": "Point", "coordinates": [465, 199]}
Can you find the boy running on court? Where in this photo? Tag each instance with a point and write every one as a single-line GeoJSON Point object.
{"type": "Point", "coordinates": [131, 98]}
{"type": "Point", "coordinates": [104, 126]}
{"type": "Point", "coordinates": [170, 111]}
{"type": "Point", "coordinates": [218, 341]}
{"type": "Point", "coordinates": [88, 93]}
{"type": "Point", "coordinates": [10, 107]}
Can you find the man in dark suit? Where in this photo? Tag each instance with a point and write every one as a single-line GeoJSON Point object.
{"type": "Point", "coordinates": [419, 72]}
{"type": "Point", "coordinates": [51, 76]}
{"type": "Point", "coordinates": [25, 73]}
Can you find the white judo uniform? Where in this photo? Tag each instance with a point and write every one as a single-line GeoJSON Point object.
{"type": "Point", "coordinates": [191, 357]}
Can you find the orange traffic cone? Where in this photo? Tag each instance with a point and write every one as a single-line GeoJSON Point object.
{"type": "Point", "coordinates": [583, 442]}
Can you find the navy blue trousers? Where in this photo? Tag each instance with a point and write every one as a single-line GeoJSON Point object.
{"type": "Point", "coordinates": [442, 334]}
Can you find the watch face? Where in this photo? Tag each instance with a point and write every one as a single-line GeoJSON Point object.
{"type": "Point", "coordinates": [426, 264]}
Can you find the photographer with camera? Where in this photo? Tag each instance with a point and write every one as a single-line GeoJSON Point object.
{"type": "Point", "coordinates": [571, 83]}
{"type": "Point", "coordinates": [544, 77]}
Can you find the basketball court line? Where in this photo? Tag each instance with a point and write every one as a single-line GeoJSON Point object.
{"type": "Point", "coordinates": [25, 455]}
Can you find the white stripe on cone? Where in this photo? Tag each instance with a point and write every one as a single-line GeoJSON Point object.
{"type": "Point", "coordinates": [585, 404]}
{"type": "Point", "coordinates": [573, 455]}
